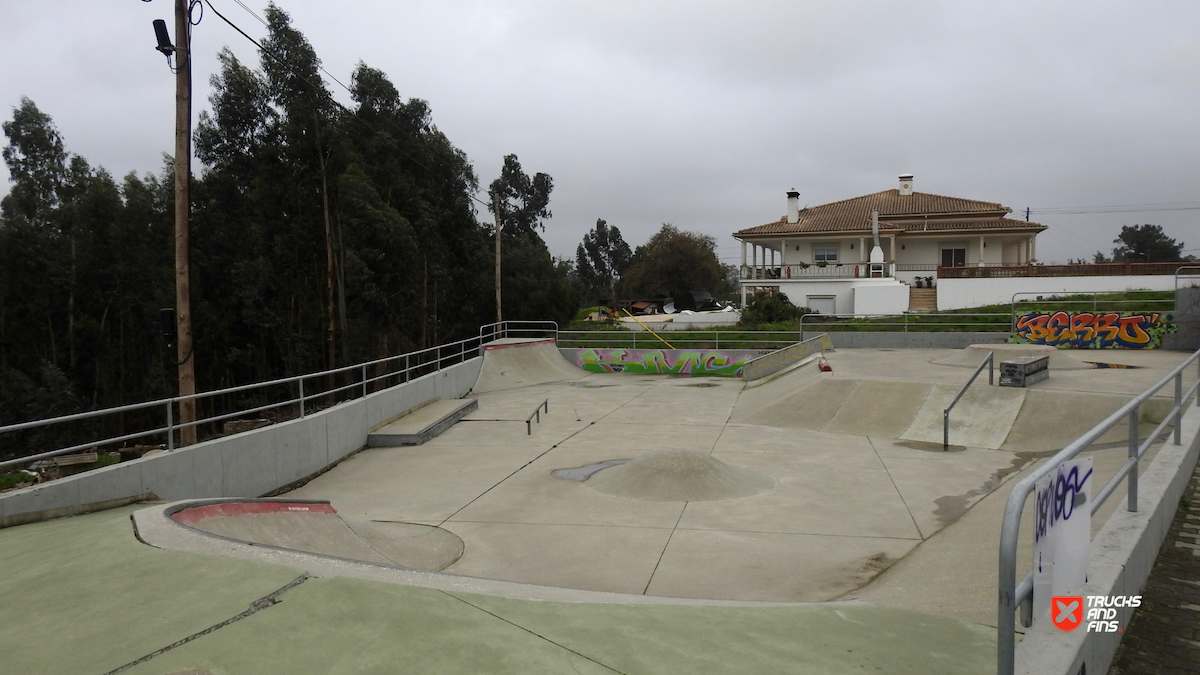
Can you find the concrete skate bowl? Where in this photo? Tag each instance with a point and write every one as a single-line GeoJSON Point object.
{"type": "Point", "coordinates": [1032, 420]}
{"type": "Point", "coordinates": [315, 527]}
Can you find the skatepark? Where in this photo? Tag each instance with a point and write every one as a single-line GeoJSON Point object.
{"type": "Point", "coordinates": [821, 503]}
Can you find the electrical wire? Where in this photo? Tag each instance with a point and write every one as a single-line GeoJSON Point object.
{"type": "Point", "coordinates": [263, 50]}
{"type": "Point", "coordinates": [1117, 208]}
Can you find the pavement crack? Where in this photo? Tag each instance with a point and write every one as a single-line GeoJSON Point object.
{"type": "Point", "coordinates": [664, 551]}
{"type": "Point", "coordinates": [255, 607]}
{"type": "Point", "coordinates": [896, 488]}
{"type": "Point", "coordinates": [534, 633]}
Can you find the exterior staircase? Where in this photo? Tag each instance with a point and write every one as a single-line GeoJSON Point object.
{"type": "Point", "coordinates": [922, 299]}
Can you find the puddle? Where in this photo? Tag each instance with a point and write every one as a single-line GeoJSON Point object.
{"type": "Point", "coordinates": [952, 507]}
{"type": "Point", "coordinates": [703, 384]}
{"type": "Point", "coordinates": [585, 385]}
{"type": "Point", "coordinates": [931, 447]}
{"type": "Point", "coordinates": [586, 471]}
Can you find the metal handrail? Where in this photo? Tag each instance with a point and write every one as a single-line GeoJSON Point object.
{"type": "Point", "coordinates": [1011, 594]}
{"type": "Point", "coordinates": [989, 362]}
{"type": "Point", "coordinates": [1185, 267]}
{"type": "Point", "coordinates": [910, 319]}
{"type": "Point", "coordinates": [537, 412]}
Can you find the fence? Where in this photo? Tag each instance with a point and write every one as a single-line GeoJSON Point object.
{"type": "Point", "coordinates": [304, 391]}
{"type": "Point", "coordinates": [706, 339]}
{"type": "Point", "coordinates": [1084, 270]}
{"type": "Point", "coordinates": [931, 321]}
{"type": "Point", "coordinates": [1012, 594]}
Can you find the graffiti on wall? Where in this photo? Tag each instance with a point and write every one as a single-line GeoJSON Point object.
{"type": "Point", "coordinates": [664, 361]}
{"type": "Point", "coordinates": [1082, 330]}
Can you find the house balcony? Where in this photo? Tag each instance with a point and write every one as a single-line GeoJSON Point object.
{"type": "Point", "coordinates": [857, 270]}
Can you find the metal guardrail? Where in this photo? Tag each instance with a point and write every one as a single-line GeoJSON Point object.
{"type": "Point", "coordinates": [1012, 594]}
{"type": "Point", "coordinates": [1195, 273]}
{"type": "Point", "coordinates": [365, 376]}
{"type": "Point", "coordinates": [691, 339]}
{"type": "Point", "coordinates": [537, 412]}
{"type": "Point", "coordinates": [908, 322]}
{"type": "Point", "coordinates": [990, 363]}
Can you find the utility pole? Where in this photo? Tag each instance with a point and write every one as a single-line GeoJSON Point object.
{"type": "Point", "coordinates": [183, 154]}
{"type": "Point", "coordinates": [496, 211]}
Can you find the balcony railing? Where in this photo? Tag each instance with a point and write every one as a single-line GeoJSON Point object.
{"type": "Point", "coordinates": [858, 270]}
{"type": "Point", "coordinates": [1083, 270]}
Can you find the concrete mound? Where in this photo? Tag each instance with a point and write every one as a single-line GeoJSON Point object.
{"type": "Point", "coordinates": [975, 354]}
{"type": "Point", "coordinates": [680, 476]}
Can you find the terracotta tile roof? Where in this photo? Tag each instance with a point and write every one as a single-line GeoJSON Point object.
{"type": "Point", "coordinates": [916, 227]}
{"type": "Point", "coordinates": [854, 215]}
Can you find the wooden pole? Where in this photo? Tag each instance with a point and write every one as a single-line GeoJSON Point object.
{"type": "Point", "coordinates": [496, 211]}
{"type": "Point", "coordinates": [183, 152]}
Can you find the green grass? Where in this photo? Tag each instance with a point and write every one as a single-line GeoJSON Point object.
{"type": "Point", "coordinates": [14, 479]}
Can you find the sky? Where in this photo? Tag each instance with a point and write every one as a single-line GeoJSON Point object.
{"type": "Point", "coordinates": [703, 113]}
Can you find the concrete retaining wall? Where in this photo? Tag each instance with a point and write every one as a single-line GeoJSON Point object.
{"type": "Point", "coordinates": [249, 464]}
{"type": "Point", "coordinates": [1123, 553]}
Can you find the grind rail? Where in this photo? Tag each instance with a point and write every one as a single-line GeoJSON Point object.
{"type": "Point", "coordinates": [366, 378]}
{"type": "Point", "coordinates": [1013, 595]}
{"type": "Point", "coordinates": [989, 361]}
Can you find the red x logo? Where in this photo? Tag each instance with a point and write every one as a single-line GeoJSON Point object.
{"type": "Point", "coordinates": [1066, 611]}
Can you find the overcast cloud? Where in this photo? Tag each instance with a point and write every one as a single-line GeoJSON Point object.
{"type": "Point", "coordinates": [703, 114]}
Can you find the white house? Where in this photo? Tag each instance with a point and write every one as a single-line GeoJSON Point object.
{"type": "Point", "coordinates": [821, 256]}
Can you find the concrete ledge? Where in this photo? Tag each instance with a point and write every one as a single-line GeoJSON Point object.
{"type": "Point", "coordinates": [249, 464]}
{"type": "Point", "coordinates": [423, 424]}
{"type": "Point", "coordinates": [1123, 553]}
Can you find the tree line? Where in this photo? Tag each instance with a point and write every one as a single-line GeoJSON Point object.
{"type": "Point", "coordinates": [321, 236]}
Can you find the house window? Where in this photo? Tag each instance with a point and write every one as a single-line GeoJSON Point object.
{"type": "Point", "coordinates": [825, 254]}
{"type": "Point", "coordinates": [954, 257]}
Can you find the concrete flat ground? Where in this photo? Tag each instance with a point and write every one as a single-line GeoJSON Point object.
{"type": "Point", "coordinates": [861, 510]}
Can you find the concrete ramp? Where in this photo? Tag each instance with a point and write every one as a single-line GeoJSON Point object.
{"type": "Point", "coordinates": [512, 363]}
{"type": "Point", "coordinates": [315, 527]}
{"type": "Point", "coordinates": [982, 418]}
{"type": "Point", "coordinates": [1049, 420]}
{"type": "Point", "coordinates": [879, 408]}
{"type": "Point", "coordinates": [801, 400]}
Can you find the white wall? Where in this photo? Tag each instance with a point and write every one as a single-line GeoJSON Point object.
{"type": "Point", "coordinates": [880, 299]}
{"type": "Point", "coordinates": [843, 291]}
{"type": "Point", "coordinates": [962, 293]}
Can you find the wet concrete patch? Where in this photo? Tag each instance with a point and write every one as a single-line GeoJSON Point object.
{"type": "Point", "coordinates": [582, 473]}
{"type": "Point", "coordinates": [931, 447]}
{"type": "Point", "coordinates": [952, 507]}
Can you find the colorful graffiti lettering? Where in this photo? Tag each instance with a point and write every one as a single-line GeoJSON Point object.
{"type": "Point", "coordinates": [1082, 330]}
{"type": "Point", "coordinates": [663, 361]}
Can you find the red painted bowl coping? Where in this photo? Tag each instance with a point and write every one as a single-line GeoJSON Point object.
{"type": "Point", "coordinates": [199, 513]}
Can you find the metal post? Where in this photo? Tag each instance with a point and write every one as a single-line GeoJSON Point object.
{"type": "Point", "coordinates": [364, 371]}
{"type": "Point", "coordinates": [1178, 405]}
{"type": "Point", "coordinates": [406, 377]}
{"type": "Point", "coordinates": [718, 337]}
{"type": "Point", "coordinates": [991, 366]}
{"type": "Point", "coordinates": [1131, 504]}
{"type": "Point", "coordinates": [301, 382]}
{"type": "Point", "coordinates": [170, 428]}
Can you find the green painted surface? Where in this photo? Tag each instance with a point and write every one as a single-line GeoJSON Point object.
{"type": "Point", "coordinates": [82, 595]}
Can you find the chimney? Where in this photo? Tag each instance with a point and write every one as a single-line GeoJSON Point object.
{"type": "Point", "coordinates": [793, 206]}
{"type": "Point", "coordinates": [906, 183]}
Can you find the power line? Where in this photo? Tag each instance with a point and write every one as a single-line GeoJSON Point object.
{"type": "Point", "coordinates": [1118, 208]}
{"type": "Point", "coordinates": [263, 50]}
